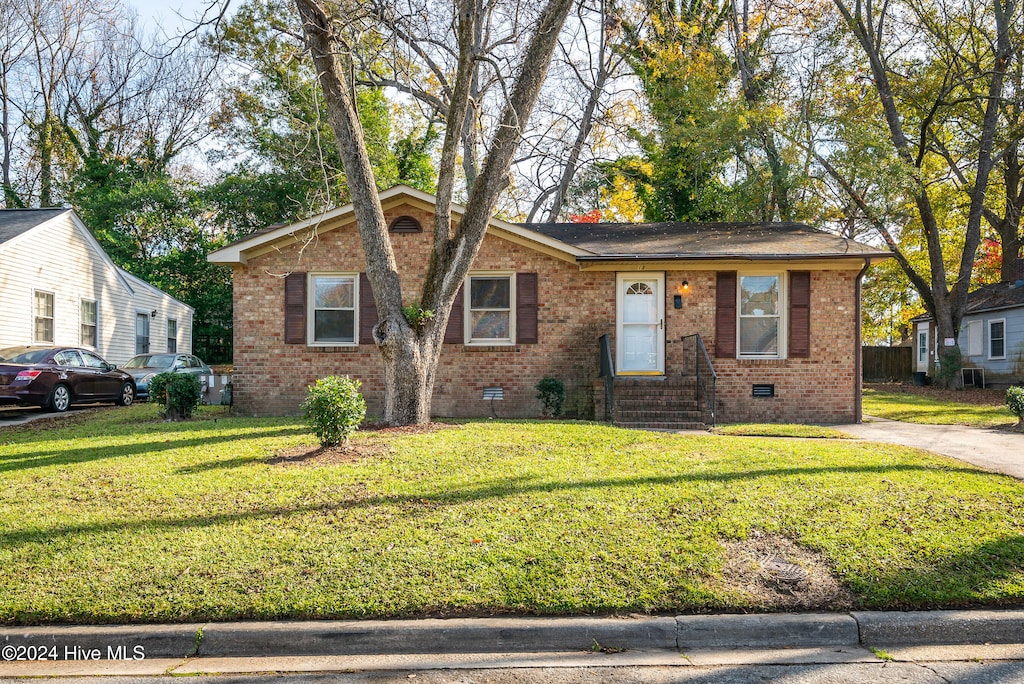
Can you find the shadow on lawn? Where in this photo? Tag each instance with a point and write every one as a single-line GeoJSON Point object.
{"type": "Point", "coordinates": [956, 581]}
{"type": "Point", "coordinates": [418, 501]}
{"type": "Point", "coordinates": [42, 458]}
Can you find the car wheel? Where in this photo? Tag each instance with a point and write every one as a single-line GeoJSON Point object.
{"type": "Point", "coordinates": [60, 399]}
{"type": "Point", "coordinates": [127, 395]}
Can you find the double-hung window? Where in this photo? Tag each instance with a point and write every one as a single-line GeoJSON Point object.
{"type": "Point", "coordinates": [490, 318]}
{"type": "Point", "coordinates": [332, 303]}
{"type": "Point", "coordinates": [88, 323]}
{"type": "Point", "coordinates": [997, 339]}
{"type": "Point", "coordinates": [44, 317]}
{"type": "Point", "coordinates": [760, 316]}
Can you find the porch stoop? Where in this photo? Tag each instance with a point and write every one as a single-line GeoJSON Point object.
{"type": "Point", "coordinates": [657, 403]}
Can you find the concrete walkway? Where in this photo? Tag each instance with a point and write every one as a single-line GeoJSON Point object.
{"type": "Point", "coordinates": [685, 642]}
{"type": "Point", "coordinates": [996, 450]}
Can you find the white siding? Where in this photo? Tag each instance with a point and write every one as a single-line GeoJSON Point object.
{"type": "Point", "coordinates": [58, 257]}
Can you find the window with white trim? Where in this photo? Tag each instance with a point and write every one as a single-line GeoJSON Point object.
{"type": "Point", "coordinates": [332, 307]}
{"type": "Point", "coordinates": [922, 346]}
{"type": "Point", "coordinates": [490, 318]}
{"type": "Point", "coordinates": [172, 335]}
{"type": "Point", "coordinates": [997, 339]}
{"type": "Point", "coordinates": [87, 334]}
{"type": "Point", "coordinates": [43, 317]}
{"type": "Point", "coordinates": [760, 310]}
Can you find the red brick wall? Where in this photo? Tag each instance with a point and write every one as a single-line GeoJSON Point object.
{"type": "Point", "coordinates": [575, 308]}
{"type": "Point", "coordinates": [271, 377]}
{"type": "Point", "coordinates": [818, 389]}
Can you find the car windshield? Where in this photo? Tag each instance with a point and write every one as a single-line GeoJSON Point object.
{"type": "Point", "coordinates": [22, 355]}
{"type": "Point", "coordinates": [151, 361]}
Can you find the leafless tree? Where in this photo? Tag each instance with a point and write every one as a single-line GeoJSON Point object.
{"type": "Point", "coordinates": [499, 48]}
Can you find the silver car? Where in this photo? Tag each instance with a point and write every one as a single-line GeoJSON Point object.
{"type": "Point", "coordinates": [145, 367]}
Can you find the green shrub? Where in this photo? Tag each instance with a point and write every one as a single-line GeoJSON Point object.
{"type": "Point", "coordinates": [948, 372]}
{"type": "Point", "coordinates": [1015, 400]}
{"type": "Point", "coordinates": [334, 408]}
{"type": "Point", "coordinates": [178, 392]}
{"type": "Point", "coordinates": [551, 393]}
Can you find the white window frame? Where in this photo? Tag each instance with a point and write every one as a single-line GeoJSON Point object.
{"type": "Point", "coordinates": [783, 309]}
{"type": "Point", "coordinates": [311, 308]}
{"type": "Point", "coordinates": [922, 346]}
{"type": "Point", "coordinates": [168, 335]}
{"type": "Point", "coordinates": [988, 326]}
{"type": "Point", "coordinates": [95, 324]}
{"type": "Point", "coordinates": [36, 316]}
{"type": "Point", "coordinates": [467, 314]}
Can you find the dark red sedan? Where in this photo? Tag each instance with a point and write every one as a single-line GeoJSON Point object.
{"type": "Point", "coordinates": [56, 377]}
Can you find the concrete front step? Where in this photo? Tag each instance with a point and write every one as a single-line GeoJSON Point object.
{"type": "Point", "coordinates": [655, 404]}
{"type": "Point", "coordinates": [661, 425]}
{"type": "Point", "coordinates": [658, 415]}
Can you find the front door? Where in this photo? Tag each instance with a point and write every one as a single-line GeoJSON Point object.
{"type": "Point", "coordinates": [640, 324]}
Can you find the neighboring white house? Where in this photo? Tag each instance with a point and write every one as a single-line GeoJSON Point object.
{"type": "Point", "coordinates": [58, 287]}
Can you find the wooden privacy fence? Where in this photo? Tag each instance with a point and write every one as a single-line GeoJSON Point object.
{"type": "Point", "coordinates": [887, 364]}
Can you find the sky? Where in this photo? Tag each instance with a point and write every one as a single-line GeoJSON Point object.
{"type": "Point", "coordinates": [173, 16]}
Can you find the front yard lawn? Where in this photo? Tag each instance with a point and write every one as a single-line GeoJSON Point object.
{"type": "Point", "coordinates": [981, 408]}
{"type": "Point", "coordinates": [121, 518]}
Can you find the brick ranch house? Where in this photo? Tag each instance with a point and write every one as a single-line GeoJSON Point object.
{"type": "Point", "coordinates": [773, 309]}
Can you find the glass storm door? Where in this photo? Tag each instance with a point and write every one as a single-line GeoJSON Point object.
{"type": "Point", "coordinates": [640, 324]}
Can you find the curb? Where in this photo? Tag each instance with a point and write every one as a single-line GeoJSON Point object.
{"type": "Point", "coordinates": [941, 627]}
{"type": "Point", "coordinates": [522, 635]}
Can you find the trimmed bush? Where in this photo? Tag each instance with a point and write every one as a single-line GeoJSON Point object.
{"type": "Point", "coordinates": [551, 392]}
{"type": "Point", "coordinates": [334, 408]}
{"type": "Point", "coordinates": [178, 392]}
{"type": "Point", "coordinates": [1015, 400]}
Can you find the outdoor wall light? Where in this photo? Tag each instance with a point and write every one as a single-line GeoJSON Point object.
{"type": "Point", "coordinates": [686, 286]}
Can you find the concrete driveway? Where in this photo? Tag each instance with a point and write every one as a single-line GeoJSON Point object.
{"type": "Point", "coordinates": [20, 416]}
{"type": "Point", "coordinates": [989, 448]}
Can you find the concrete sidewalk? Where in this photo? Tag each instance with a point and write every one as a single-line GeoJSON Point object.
{"type": "Point", "coordinates": [482, 643]}
{"type": "Point", "coordinates": [989, 448]}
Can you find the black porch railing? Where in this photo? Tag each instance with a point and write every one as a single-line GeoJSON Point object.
{"type": "Point", "coordinates": [706, 378]}
{"type": "Point", "coordinates": [608, 373]}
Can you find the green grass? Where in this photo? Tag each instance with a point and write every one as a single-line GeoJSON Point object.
{"type": "Point", "coordinates": [913, 408]}
{"type": "Point", "coordinates": [122, 519]}
{"type": "Point", "coordinates": [780, 430]}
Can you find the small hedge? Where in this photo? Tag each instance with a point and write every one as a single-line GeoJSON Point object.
{"type": "Point", "coordinates": [551, 392]}
{"type": "Point", "coordinates": [1015, 400]}
{"type": "Point", "coordinates": [334, 408]}
{"type": "Point", "coordinates": [178, 392]}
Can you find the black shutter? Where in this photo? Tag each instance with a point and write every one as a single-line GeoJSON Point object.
{"type": "Point", "coordinates": [453, 333]}
{"type": "Point", "coordinates": [800, 314]}
{"type": "Point", "coordinates": [725, 315]}
{"type": "Point", "coordinates": [295, 308]}
{"type": "Point", "coordinates": [367, 310]}
{"type": "Point", "coordinates": [526, 308]}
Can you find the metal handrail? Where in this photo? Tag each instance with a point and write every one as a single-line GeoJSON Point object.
{"type": "Point", "coordinates": [709, 377]}
{"type": "Point", "coordinates": [608, 373]}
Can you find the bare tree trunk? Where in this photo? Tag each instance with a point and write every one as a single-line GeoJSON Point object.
{"type": "Point", "coordinates": [606, 65]}
{"type": "Point", "coordinates": [410, 355]}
